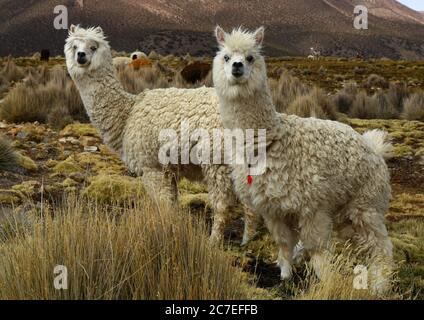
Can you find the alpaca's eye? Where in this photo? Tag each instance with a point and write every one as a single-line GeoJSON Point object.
{"type": "Point", "coordinates": [250, 59]}
{"type": "Point", "coordinates": [93, 48]}
{"type": "Point", "coordinates": [75, 47]}
{"type": "Point", "coordinates": [226, 58]}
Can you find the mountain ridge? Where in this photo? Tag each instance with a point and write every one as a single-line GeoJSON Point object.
{"type": "Point", "coordinates": [182, 26]}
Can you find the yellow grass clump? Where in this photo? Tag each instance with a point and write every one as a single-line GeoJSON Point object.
{"type": "Point", "coordinates": [139, 252]}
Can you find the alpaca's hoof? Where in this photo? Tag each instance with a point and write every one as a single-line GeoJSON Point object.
{"type": "Point", "coordinates": [285, 270]}
{"type": "Point", "coordinates": [286, 273]}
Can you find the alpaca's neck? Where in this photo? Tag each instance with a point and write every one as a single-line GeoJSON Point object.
{"type": "Point", "coordinates": [107, 104]}
{"type": "Point", "coordinates": [248, 111]}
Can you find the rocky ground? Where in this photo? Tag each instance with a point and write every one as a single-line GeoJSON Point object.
{"type": "Point", "coordinates": [74, 160]}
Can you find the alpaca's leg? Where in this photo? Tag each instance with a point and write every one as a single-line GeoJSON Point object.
{"type": "Point", "coordinates": [251, 222]}
{"type": "Point", "coordinates": [315, 235]}
{"type": "Point", "coordinates": [160, 185]}
{"type": "Point", "coordinates": [222, 199]}
{"type": "Point", "coordinates": [286, 239]}
{"type": "Point", "coordinates": [372, 236]}
{"type": "Point", "coordinates": [222, 206]}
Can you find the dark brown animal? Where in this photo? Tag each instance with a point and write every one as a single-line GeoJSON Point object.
{"type": "Point", "coordinates": [45, 55]}
{"type": "Point", "coordinates": [196, 71]}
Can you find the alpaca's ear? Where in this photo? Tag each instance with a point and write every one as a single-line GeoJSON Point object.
{"type": "Point", "coordinates": [259, 36]}
{"type": "Point", "coordinates": [72, 28]}
{"type": "Point", "coordinates": [220, 35]}
{"type": "Point", "coordinates": [99, 30]}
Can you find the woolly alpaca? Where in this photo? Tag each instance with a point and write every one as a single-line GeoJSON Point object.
{"type": "Point", "coordinates": [131, 124]}
{"type": "Point", "coordinates": [140, 63]}
{"type": "Point", "coordinates": [319, 174]}
{"type": "Point", "coordinates": [138, 55]}
{"type": "Point", "coordinates": [118, 61]}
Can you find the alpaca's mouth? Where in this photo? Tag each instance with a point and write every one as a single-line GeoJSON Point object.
{"type": "Point", "coordinates": [235, 81]}
{"type": "Point", "coordinates": [83, 65]}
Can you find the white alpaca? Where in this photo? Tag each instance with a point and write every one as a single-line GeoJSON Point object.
{"type": "Point", "coordinates": [131, 124]}
{"type": "Point", "coordinates": [315, 54]}
{"type": "Point", "coordinates": [319, 174]}
{"type": "Point", "coordinates": [138, 55]}
{"type": "Point", "coordinates": [123, 61]}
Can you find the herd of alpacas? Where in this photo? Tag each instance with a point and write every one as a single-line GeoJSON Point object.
{"type": "Point", "coordinates": [320, 175]}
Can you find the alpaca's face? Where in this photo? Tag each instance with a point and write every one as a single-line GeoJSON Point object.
{"type": "Point", "coordinates": [239, 65]}
{"type": "Point", "coordinates": [86, 50]}
{"type": "Point", "coordinates": [83, 51]}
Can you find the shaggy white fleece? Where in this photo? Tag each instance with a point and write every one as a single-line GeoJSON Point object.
{"type": "Point", "coordinates": [319, 174]}
{"type": "Point", "coordinates": [131, 124]}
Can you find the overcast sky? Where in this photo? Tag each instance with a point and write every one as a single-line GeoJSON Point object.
{"type": "Point", "coordinates": [414, 4]}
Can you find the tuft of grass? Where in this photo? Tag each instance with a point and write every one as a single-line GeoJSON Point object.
{"type": "Point", "coordinates": [386, 110]}
{"type": "Point", "coordinates": [47, 97]}
{"type": "Point", "coordinates": [325, 102]}
{"type": "Point", "coordinates": [4, 84]}
{"type": "Point", "coordinates": [375, 81]}
{"type": "Point", "coordinates": [397, 94]}
{"type": "Point", "coordinates": [138, 252]}
{"type": "Point", "coordinates": [344, 99]}
{"type": "Point", "coordinates": [364, 107]}
{"type": "Point", "coordinates": [338, 281]}
{"type": "Point", "coordinates": [9, 158]}
{"type": "Point", "coordinates": [414, 107]}
{"type": "Point", "coordinates": [105, 188]}
{"type": "Point", "coordinates": [11, 72]}
{"type": "Point", "coordinates": [306, 107]}
{"type": "Point", "coordinates": [286, 90]}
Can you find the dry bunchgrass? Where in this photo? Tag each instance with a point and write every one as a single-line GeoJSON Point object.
{"type": "Point", "coordinates": [364, 107]}
{"type": "Point", "coordinates": [386, 109]}
{"type": "Point", "coordinates": [315, 104]}
{"type": "Point", "coordinates": [12, 72]}
{"type": "Point", "coordinates": [9, 158]}
{"type": "Point", "coordinates": [135, 81]}
{"type": "Point", "coordinates": [344, 99]}
{"type": "Point", "coordinates": [325, 102]}
{"type": "Point", "coordinates": [4, 84]}
{"type": "Point", "coordinates": [414, 107]}
{"type": "Point", "coordinates": [306, 107]}
{"type": "Point", "coordinates": [141, 252]}
{"type": "Point", "coordinates": [397, 94]}
{"type": "Point", "coordinates": [47, 96]}
{"type": "Point", "coordinates": [338, 281]}
{"type": "Point", "coordinates": [375, 81]}
{"type": "Point", "coordinates": [384, 104]}
{"type": "Point", "coordinates": [286, 90]}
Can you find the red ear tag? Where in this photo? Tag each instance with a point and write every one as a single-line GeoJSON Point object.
{"type": "Point", "coordinates": [249, 180]}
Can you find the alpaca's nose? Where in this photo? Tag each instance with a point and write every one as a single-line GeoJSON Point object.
{"type": "Point", "coordinates": [238, 69]}
{"type": "Point", "coordinates": [81, 58]}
